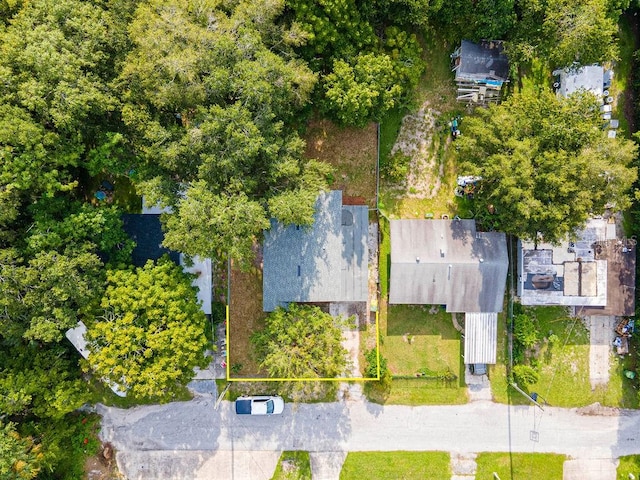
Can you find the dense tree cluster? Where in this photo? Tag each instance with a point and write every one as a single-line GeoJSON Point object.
{"type": "Point", "coordinates": [546, 164]}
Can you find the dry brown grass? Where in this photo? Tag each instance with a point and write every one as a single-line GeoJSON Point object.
{"type": "Point", "coordinates": [245, 318]}
{"type": "Point", "coordinates": [352, 152]}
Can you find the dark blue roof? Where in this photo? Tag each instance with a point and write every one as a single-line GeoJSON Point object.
{"type": "Point", "coordinates": [146, 231]}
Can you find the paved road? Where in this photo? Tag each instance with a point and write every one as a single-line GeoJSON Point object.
{"type": "Point", "coordinates": [188, 435]}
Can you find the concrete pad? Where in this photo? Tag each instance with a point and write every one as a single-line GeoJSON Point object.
{"type": "Point", "coordinates": [601, 334]}
{"type": "Point", "coordinates": [197, 465]}
{"type": "Point", "coordinates": [326, 465]}
{"type": "Point", "coordinates": [589, 469]}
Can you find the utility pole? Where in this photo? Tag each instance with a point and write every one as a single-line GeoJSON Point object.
{"type": "Point", "coordinates": [529, 397]}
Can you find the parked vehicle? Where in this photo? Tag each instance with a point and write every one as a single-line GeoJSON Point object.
{"type": "Point", "coordinates": [478, 368]}
{"type": "Point", "coordinates": [260, 405]}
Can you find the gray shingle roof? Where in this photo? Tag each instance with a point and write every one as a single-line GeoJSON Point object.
{"type": "Point", "coordinates": [446, 262]}
{"type": "Point", "coordinates": [325, 262]}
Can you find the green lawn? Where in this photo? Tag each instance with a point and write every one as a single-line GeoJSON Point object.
{"type": "Point", "coordinates": [412, 339]}
{"type": "Point", "coordinates": [519, 466]}
{"type": "Point", "coordinates": [396, 466]}
{"type": "Point", "coordinates": [563, 366]}
{"type": "Point", "coordinates": [293, 466]}
{"type": "Point", "coordinates": [416, 338]}
{"type": "Point", "coordinates": [629, 465]}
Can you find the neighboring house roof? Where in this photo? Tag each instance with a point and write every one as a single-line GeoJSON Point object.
{"type": "Point", "coordinates": [76, 337]}
{"type": "Point", "coordinates": [589, 78]}
{"type": "Point", "coordinates": [480, 337]}
{"type": "Point", "coordinates": [324, 262]}
{"type": "Point", "coordinates": [447, 262]}
{"type": "Point", "coordinates": [146, 230]}
{"type": "Point", "coordinates": [481, 61]}
{"type": "Point", "coordinates": [594, 272]}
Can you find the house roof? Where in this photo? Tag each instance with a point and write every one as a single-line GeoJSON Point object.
{"type": "Point", "coordinates": [594, 271]}
{"type": "Point", "coordinates": [481, 61]}
{"type": "Point", "coordinates": [325, 262]}
{"type": "Point", "coordinates": [480, 337]}
{"type": "Point", "coordinates": [146, 231]}
{"type": "Point", "coordinates": [447, 262]}
{"type": "Point", "coordinates": [589, 78]}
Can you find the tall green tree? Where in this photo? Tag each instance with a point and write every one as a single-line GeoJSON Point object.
{"type": "Point", "coordinates": [20, 457]}
{"type": "Point", "coordinates": [47, 294]}
{"type": "Point", "coordinates": [367, 89]}
{"type": "Point", "coordinates": [210, 111]}
{"type": "Point", "coordinates": [151, 335]}
{"type": "Point", "coordinates": [301, 342]}
{"type": "Point", "coordinates": [39, 381]}
{"type": "Point", "coordinates": [546, 164]}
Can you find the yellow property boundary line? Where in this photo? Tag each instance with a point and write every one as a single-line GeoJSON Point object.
{"type": "Point", "coordinates": [312, 379]}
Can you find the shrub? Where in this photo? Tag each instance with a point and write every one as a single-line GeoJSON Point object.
{"type": "Point", "coordinates": [525, 330]}
{"type": "Point", "coordinates": [524, 375]}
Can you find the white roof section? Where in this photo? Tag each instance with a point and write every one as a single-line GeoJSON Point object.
{"type": "Point", "coordinates": [76, 337]}
{"type": "Point", "coordinates": [480, 337]}
{"type": "Point", "coordinates": [589, 78]}
{"type": "Point", "coordinates": [154, 209]}
{"type": "Point", "coordinates": [201, 268]}
{"type": "Point", "coordinates": [567, 274]}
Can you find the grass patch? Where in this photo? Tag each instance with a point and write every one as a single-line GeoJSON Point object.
{"type": "Point", "coordinates": [541, 466]}
{"type": "Point", "coordinates": [434, 175]}
{"type": "Point", "coordinates": [629, 465]}
{"type": "Point", "coordinates": [563, 366]}
{"type": "Point", "coordinates": [384, 257]}
{"type": "Point", "coordinates": [621, 89]}
{"type": "Point", "coordinates": [245, 318]}
{"type": "Point", "coordinates": [293, 466]}
{"type": "Point", "coordinates": [101, 393]}
{"type": "Point", "coordinates": [396, 465]}
{"type": "Point", "coordinates": [415, 338]}
{"type": "Point", "coordinates": [353, 154]}
{"type": "Point", "coordinates": [435, 346]}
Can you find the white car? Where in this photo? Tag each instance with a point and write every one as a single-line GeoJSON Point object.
{"type": "Point", "coordinates": [260, 405]}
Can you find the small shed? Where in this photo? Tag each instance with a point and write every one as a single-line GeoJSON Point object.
{"type": "Point", "coordinates": [480, 337]}
{"type": "Point", "coordinates": [481, 69]}
{"type": "Point", "coordinates": [589, 78]}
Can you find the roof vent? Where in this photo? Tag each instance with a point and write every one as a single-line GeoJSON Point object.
{"type": "Point", "coordinates": [481, 259]}
{"type": "Point", "coordinates": [417, 259]}
{"type": "Point", "coordinates": [442, 252]}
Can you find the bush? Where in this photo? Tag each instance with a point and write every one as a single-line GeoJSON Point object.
{"type": "Point", "coordinates": [524, 375]}
{"type": "Point", "coordinates": [525, 330]}
{"type": "Point", "coordinates": [396, 167]}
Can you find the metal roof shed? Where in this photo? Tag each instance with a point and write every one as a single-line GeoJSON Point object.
{"type": "Point", "coordinates": [480, 337]}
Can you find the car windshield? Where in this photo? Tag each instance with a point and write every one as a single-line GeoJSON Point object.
{"type": "Point", "coordinates": [269, 406]}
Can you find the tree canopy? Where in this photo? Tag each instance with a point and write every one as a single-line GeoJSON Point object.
{"type": "Point", "coordinates": [151, 335]}
{"type": "Point", "coordinates": [207, 108]}
{"type": "Point", "coordinates": [546, 164]}
{"type": "Point", "coordinates": [301, 342]}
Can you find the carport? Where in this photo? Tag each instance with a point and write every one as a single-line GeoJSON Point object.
{"type": "Point", "coordinates": [480, 337]}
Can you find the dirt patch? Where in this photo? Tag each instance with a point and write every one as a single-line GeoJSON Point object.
{"type": "Point", "coordinates": [245, 318]}
{"type": "Point", "coordinates": [353, 154]}
{"type": "Point", "coordinates": [415, 141]}
{"type": "Point", "coordinates": [103, 465]}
